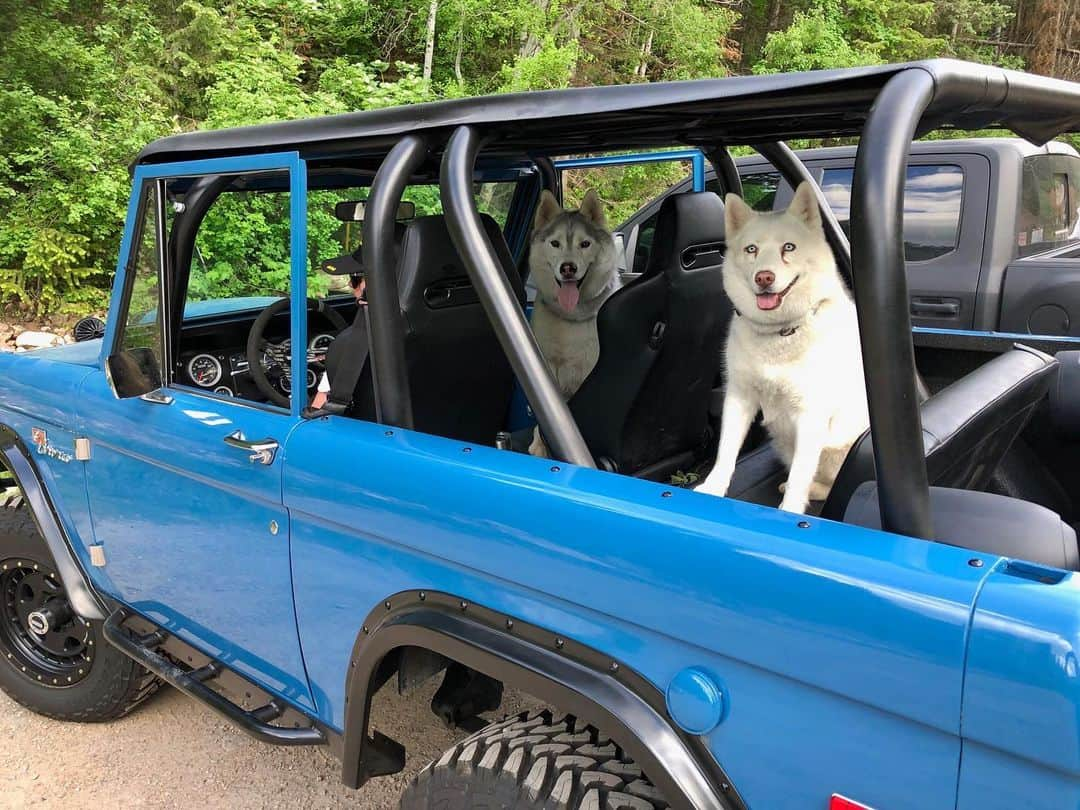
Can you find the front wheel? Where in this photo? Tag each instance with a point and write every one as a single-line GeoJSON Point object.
{"type": "Point", "coordinates": [533, 762]}
{"type": "Point", "coordinates": [52, 661]}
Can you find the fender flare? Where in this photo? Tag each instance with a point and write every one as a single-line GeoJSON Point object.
{"type": "Point", "coordinates": [556, 669]}
{"type": "Point", "coordinates": [80, 592]}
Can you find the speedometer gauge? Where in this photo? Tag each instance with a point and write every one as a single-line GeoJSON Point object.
{"type": "Point", "coordinates": [204, 370]}
{"type": "Point", "coordinates": [320, 343]}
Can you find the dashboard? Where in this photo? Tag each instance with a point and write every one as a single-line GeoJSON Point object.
{"type": "Point", "coordinates": [213, 354]}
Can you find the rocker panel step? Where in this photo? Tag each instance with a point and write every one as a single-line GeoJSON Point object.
{"type": "Point", "coordinates": [193, 683]}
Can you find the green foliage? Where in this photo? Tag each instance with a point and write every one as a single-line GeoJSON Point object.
{"type": "Point", "coordinates": [85, 84]}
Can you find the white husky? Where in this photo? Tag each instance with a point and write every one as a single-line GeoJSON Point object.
{"type": "Point", "coordinates": [792, 350]}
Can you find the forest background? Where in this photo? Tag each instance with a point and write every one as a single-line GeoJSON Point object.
{"type": "Point", "coordinates": [84, 84]}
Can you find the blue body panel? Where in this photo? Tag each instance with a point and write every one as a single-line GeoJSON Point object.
{"type": "Point", "coordinates": [802, 627]}
{"type": "Point", "coordinates": [1022, 696]}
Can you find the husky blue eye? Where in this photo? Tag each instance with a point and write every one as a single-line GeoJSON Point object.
{"type": "Point", "coordinates": [585, 243]}
{"type": "Point", "coordinates": [751, 249]}
{"type": "Point", "coordinates": [554, 242]}
{"type": "Point", "coordinates": [788, 247]}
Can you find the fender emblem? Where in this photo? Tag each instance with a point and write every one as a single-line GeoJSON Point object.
{"type": "Point", "coordinates": [41, 440]}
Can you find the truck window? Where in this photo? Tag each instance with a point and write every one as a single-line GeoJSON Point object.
{"type": "Point", "coordinates": [759, 189]}
{"type": "Point", "coordinates": [1049, 203]}
{"type": "Point", "coordinates": [933, 195]}
{"type": "Point", "coordinates": [141, 328]}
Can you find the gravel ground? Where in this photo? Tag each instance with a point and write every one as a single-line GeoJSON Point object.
{"type": "Point", "coordinates": [172, 752]}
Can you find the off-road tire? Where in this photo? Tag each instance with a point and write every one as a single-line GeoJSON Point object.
{"type": "Point", "coordinates": [113, 684]}
{"type": "Point", "coordinates": [533, 762]}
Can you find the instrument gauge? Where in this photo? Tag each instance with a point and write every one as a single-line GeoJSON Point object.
{"type": "Point", "coordinates": [204, 370]}
{"type": "Point", "coordinates": [320, 343]}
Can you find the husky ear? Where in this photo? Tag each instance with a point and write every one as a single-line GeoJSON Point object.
{"type": "Point", "coordinates": [593, 210]}
{"type": "Point", "coordinates": [548, 209]}
{"type": "Point", "coordinates": [804, 206]}
{"type": "Point", "coordinates": [736, 214]}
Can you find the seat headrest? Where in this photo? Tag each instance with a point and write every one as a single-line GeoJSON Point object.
{"type": "Point", "coordinates": [689, 234]}
{"type": "Point", "coordinates": [428, 255]}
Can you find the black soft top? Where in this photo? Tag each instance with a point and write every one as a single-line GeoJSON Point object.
{"type": "Point", "coordinates": [706, 112]}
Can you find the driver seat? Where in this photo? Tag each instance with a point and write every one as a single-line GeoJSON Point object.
{"type": "Point", "coordinates": [460, 380]}
{"type": "Point", "coordinates": [644, 408]}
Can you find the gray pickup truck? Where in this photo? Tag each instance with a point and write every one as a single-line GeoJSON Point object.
{"type": "Point", "coordinates": [991, 229]}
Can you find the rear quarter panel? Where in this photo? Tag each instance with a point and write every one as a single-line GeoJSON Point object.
{"type": "Point", "coordinates": [840, 649]}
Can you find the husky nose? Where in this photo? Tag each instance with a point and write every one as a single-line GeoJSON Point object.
{"type": "Point", "coordinates": [764, 278]}
{"type": "Point", "coordinates": [567, 269]}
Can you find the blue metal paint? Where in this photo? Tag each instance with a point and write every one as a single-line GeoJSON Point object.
{"type": "Point", "coordinates": [695, 701]}
{"type": "Point", "coordinates": [1022, 687]}
{"type": "Point", "coordinates": [803, 625]}
{"type": "Point", "coordinates": [695, 156]}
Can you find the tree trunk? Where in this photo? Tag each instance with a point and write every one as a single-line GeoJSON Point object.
{"type": "Point", "coordinates": [429, 51]}
{"type": "Point", "coordinates": [530, 42]}
{"type": "Point", "coordinates": [646, 51]}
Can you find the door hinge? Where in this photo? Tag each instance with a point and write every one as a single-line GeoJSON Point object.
{"type": "Point", "coordinates": [82, 449]}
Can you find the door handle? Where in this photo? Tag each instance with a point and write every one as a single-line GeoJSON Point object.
{"type": "Point", "coordinates": [935, 307]}
{"type": "Point", "coordinates": [261, 450]}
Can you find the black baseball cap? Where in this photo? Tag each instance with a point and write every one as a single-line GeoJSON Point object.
{"type": "Point", "coordinates": [347, 265]}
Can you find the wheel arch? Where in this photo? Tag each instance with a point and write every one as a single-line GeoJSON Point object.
{"type": "Point", "coordinates": [556, 669]}
{"type": "Point", "coordinates": [18, 461]}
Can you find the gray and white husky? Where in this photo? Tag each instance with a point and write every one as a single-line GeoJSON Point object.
{"type": "Point", "coordinates": [572, 263]}
{"type": "Point", "coordinates": [792, 350]}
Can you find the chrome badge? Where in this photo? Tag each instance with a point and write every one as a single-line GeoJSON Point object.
{"type": "Point", "coordinates": [41, 440]}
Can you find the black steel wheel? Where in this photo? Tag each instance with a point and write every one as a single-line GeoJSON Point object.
{"type": "Point", "coordinates": [53, 661]}
{"type": "Point", "coordinates": [533, 762]}
{"type": "Point", "coordinates": [39, 631]}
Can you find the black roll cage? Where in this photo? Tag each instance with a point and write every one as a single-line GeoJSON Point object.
{"type": "Point", "coordinates": [886, 106]}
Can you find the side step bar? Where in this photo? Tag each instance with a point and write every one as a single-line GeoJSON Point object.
{"type": "Point", "coordinates": [193, 683]}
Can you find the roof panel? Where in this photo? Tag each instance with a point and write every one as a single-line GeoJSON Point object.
{"type": "Point", "coordinates": [741, 109]}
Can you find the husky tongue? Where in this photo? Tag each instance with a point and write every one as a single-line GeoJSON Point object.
{"type": "Point", "coordinates": [768, 300]}
{"type": "Point", "coordinates": [568, 295]}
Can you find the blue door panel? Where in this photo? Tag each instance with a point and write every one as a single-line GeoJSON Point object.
{"type": "Point", "coordinates": [802, 626]}
{"type": "Point", "coordinates": [1022, 691]}
{"type": "Point", "coordinates": [994, 780]}
{"type": "Point", "coordinates": [185, 523]}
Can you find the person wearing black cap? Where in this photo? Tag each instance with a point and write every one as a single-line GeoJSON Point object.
{"type": "Point", "coordinates": [341, 266]}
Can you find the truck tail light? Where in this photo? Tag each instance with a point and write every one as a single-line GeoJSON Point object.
{"type": "Point", "coordinates": [838, 802]}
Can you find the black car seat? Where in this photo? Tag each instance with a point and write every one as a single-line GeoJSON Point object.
{"type": "Point", "coordinates": [459, 377]}
{"type": "Point", "coordinates": [967, 426]}
{"type": "Point", "coordinates": [644, 409]}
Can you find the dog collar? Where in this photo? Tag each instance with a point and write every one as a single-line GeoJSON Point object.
{"type": "Point", "coordinates": [791, 328]}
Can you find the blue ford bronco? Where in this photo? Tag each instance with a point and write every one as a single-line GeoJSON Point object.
{"type": "Point", "coordinates": [177, 512]}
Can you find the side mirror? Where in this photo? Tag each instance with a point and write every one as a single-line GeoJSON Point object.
{"type": "Point", "coordinates": [620, 252]}
{"type": "Point", "coordinates": [133, 373]}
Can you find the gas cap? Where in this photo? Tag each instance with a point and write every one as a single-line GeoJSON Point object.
{"type": "Point", "coordinates": [695, 701]}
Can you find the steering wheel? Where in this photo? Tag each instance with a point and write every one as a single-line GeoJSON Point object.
{"type": "Point", "coordinates": [280, 354]}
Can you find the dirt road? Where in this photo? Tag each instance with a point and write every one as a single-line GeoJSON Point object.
{"type": "Point", "coordinates": [172, 752]}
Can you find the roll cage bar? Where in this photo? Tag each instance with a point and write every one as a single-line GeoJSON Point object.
{"type": "Point", "coordinates": [893, 104]}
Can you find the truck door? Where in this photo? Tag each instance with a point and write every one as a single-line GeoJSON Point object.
{"type": "Point", "coordinates": [185, 483]}
{"type": "Point", "coordinates": [945, 210]}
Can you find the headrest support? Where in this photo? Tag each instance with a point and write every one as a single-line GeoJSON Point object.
{"type": "Point", "coordinates": [689, 234]}
{"type": "Point", "coordinates": [428, 254]}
